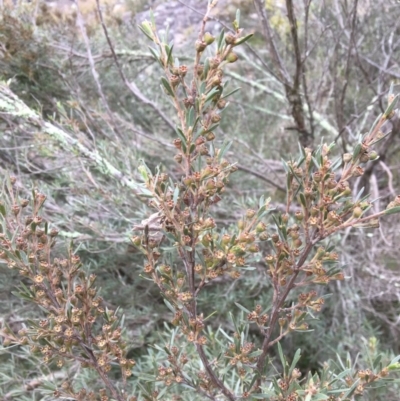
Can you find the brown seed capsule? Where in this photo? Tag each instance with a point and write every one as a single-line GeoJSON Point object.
{"type": "Point", "coordinates": [174, 80]}
{"type": "Point", "coordinates": [178, 158]}
{"type": "Point", "coordinates": [221, 104]}
{"type": "Point", "coordinates": [178, 143]}
{"type": "Point", "coordinates": [230, 39]}
{"type": "Point", "coordinates": [215, 118]}
{"type": "Point", "coordinates": [200, 45]}
{"type": "Point", "coordinates": [183, 70]}
{"type": "Point", "coordinates": [214, 62]}
{"type": "Point", "coordinates": [347, 157]}
{"type": "Point", "coordinates": [210, 136]}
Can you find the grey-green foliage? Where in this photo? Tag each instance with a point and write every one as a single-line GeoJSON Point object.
{"type": "Point", "coordinates": [90, 203]}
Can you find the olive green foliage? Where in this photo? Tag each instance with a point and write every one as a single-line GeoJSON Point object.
{"type": "Point", "coordinates": [76, 132]}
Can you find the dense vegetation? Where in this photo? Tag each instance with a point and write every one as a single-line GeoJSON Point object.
{"type": "Point", "coordinates": [86, 124]}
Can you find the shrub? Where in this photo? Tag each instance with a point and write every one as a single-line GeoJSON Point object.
{"type": "Point", "coordinates": [185, 251]}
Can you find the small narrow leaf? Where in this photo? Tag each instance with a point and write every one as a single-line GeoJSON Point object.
{"type": "Point", "coordinates": [356, 152]}
{"type": "Point", "coordinates": [169, 306]}
{"type": "Point", "coordinates": [282, 358]}
{"type": "Point", "coordinates": [391, 106]}
{"type": "Point", "coordinates": [238, 17]}
{"type": "Point", "coordinates": [296, 358]}
{"type": "Point", "coordinates": [392, 210]}
{"type": "Point", "coordinates": [221, 39]}
{"type": "Point", "coordinates": [231, 93]}
{"type": "Point", "coordinates": [2, 209]}
{"type": "Point", "coordinates": [242, 308]}
{"type": "Point", "coordinates": [244, 39]}
{"type": "Point", "coordinates": [169, 53]}
{"type": "Point", "coordinates": [167, 87]}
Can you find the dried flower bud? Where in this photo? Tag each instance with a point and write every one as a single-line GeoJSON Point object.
{"type": "Point", "coordinates": [230, 39]}
{"type": "Point", "coordinates": [183, 70]}
{"type": "Point", "coordinates": [250, 213]}
{"type": "Point", "coordinates": [200, 45]}
{"type": "Point", "coordinates": [178, 158]}
{"type": "Point", "coordinates": [221, 104]}
{"type": "Point", "coordinates": [177, 143]}
{"type": "Point", "coordinates": [347, 157]}
{"type": "Point", "coordinates": [358, 171]}
{"type": "Point", "coordinates": [214, 62]}
{"type": "Point", "coordinates": [275, 238]}
{"type": "Point", "coordinates": [53, 232]}
{"type": "Point", "coordinates": [210, 136]}
{"type": "Point", "coordinates": [174, 80]}
{"type": "Point", "coordinates": [215, 118]}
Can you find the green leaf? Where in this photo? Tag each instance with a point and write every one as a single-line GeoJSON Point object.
{"type": "Point", "coordinates": [211, 94]}
{"type": "Point", "coordinates": [373, 126]}
{"type": "Point", "coordinates": [391, 106]}
{"type": "Point", "coordinates": [282, 358]}
{"type": "Point", "coordinates": [358, 196]}
{"type": "Point", "coordinates": [319, 397]}
{"type": "Point", "coordinates": [146, 29]}
{"type": "Point", "coordinates": [210, 129]}
{"type": "Point", "coordinates": [143, 171]}
{"type": "Point", "coordinates": [152, 19]}
{"type": "Point", "coordinates": [285, 166]}
{"type": "Point", "coordinates": [206, 68]}
{"type": "Point", "coordinates": [315, 161]}
{"type": "Point", "coordinates": [351, 390]}
{"type": "Point", "coordinates": [167, 87]}
{"type": "Point", "coordinates": [156, 55]}
{"type": "Point", "coordinates": [356, 152]}
{"type": "Point", "coordinates": [221, 39]}
{"type": "Point", "coordinates": [169, 53]}
{"type": "Point", "coordinates": [169, 306]}
{"type": "Point", "coordinates": [377, 361]}
{"type": "Point", "coordinates": [190, 116]}
{"type": "Point", "coordinates": [238, 17]}
{"type": "Point", "coordinates": [181, 136]}
{"type": "Point", "coordinates": [392, 210]}
{"type": "Point", "coordinates": [224, 148]}
{"type": "Point", "coordinates": [244, 39]}
{"type": "Point", "coordinates": [176, 195]}
{"type": "Point", "coordinates": [296, 358]}
{"type": "Point", "coordinates": [2, 209]}
{"type": "Point", "coordinates": [303, 199]}
{"type": "Point", "coordinates": [242, 308]}
{"type": "Point", "coordinates": [231, 93]}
